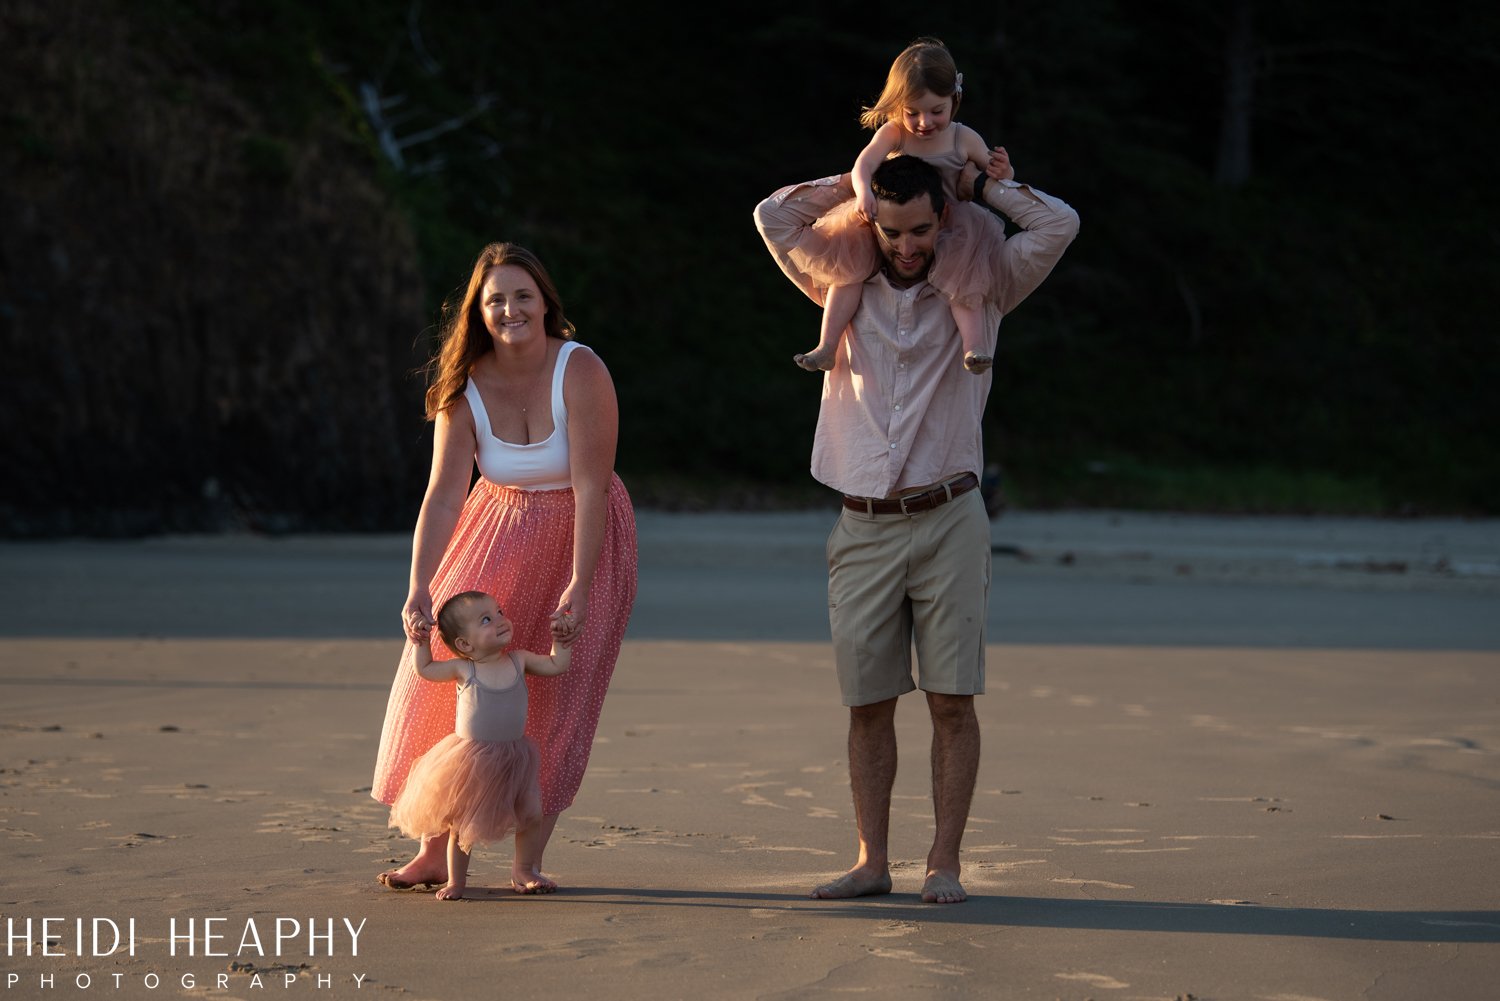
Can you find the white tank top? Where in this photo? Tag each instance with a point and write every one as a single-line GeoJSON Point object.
{"type": "Point", "coordinates": [542, 465]}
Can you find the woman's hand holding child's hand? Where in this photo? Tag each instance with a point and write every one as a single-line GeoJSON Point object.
{"type": "Point", "coordinates": [416, 616]}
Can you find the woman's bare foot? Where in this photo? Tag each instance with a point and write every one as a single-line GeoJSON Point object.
{"type": "Point", "coordinates": [410, 876]}
{"type": "Point", "coordinates": [453, 891]}
{"type": "Point", "coordinates": [943, 888]}
{"type": "Point", "coordinates": [428, 868]}
{"type": "Point", "coordinates": [530, 880]}
{"type": "Point", "coordinates": [817, 360]}
{"type": "Point", "coordinates": [857, 882]}
{"type": "Point", "coordinates": [978, 363]}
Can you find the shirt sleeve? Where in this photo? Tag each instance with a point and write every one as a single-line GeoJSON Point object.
{"type": "Point", "coordinates": [785, 221]}
{"type": "Point", "coordinates": [1047, 224]}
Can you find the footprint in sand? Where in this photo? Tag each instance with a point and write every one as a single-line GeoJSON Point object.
{"type": "Point", "coordinates": [895, 929]}
{"type": "Point", "coordinates": [1099, 980]}
{"type": "Point", "coordinates": [1106, 884]}
{"type": "Point", "coordinates": [906, 954]}
{"type": "Point", "coordinates": [752, 795]}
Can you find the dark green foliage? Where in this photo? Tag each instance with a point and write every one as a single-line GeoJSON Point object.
{"type": "Point", "coordinates": [1314, 339]}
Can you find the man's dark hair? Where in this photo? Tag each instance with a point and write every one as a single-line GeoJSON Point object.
{"type": "Point", "coordinates": [902, 178]}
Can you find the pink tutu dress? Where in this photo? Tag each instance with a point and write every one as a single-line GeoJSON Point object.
{"type": "Point", "coordinates": [480, 781]}
{"type": "Point", "coordinates": [840, 248]}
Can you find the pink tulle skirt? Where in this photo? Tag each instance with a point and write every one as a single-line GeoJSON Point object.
{"type": "Point", "coordinates": [481, 790]}
{"type": "Point", "coordinates": [838, 249]}
{"type": "Point", "coordinates": [841, 249]}
{"type": "Point", "coordinates": [518, 546]}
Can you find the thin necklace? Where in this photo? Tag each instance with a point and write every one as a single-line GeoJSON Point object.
{"type": "Point", "coordinates": [531, 390]}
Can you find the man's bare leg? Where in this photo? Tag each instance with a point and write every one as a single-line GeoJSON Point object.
{"type": "Point", "coordinates": [955, 766]}
{"type": "Point", "coordinates": [872, 773]}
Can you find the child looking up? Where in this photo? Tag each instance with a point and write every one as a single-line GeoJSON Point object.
{"type": "Point", "coordinates": [480, 782]}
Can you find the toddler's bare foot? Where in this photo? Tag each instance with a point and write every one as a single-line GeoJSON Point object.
{"type": "Point", "coordinates": [453, 891]}
{"type": "Point", "coordinates": [943, 888]}
{"type": "Point", "coordinates": [530, 880]}
{"type": "Point", "coordinates": [816, 360]}
{"type": "Point", "coordinates": [978, 363]}
{"type": "Point", "coordinates": [857, 882]}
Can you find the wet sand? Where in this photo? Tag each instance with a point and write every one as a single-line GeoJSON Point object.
{"type": "Point", "coordinates": [1231, 758]}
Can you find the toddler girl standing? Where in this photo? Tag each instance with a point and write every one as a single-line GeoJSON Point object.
{"type": "Point", "coordinates": [913, 115]}
{"type": "Point", "coordinates": [479, 782]}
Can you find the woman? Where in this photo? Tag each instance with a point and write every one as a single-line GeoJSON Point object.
{"type": "Point", "coordinates": [547, 530]}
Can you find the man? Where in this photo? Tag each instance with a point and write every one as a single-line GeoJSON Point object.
{"type": "Point", "coordinates": [898, 435]}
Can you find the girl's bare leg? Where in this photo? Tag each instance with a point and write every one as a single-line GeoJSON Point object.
{"type": "Point", "coordinates": [458, 871]}
{"type": "Point", "coordinates": [838, 310]}
{"type": "Point", "coordinates": [970, 322]}
{"type": "Point", "coordinates": [429, 868]}
{"type": "Point", "coordinates": [526, 871]}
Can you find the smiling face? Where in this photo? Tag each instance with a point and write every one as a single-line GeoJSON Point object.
{"type": "Point", "coordinates": [907, 233]}
{"type": "Point", "coordinates": [927, 114]}
{"type": "Point", "coordinates": [485, 632]}
{"type": "Point", "coordinates": [512, 305]}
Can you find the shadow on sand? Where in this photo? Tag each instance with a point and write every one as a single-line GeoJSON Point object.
{"type": "Point", "coordinates": [1097, 915]}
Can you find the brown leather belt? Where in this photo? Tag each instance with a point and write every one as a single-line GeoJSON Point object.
{"type": "Point", "coordinates": [914, 503]}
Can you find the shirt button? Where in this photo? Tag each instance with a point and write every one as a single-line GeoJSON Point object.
{"type": "Point", "coordinates": [898, 406]}
{"type": "Point", "coordinates": [893, 444]}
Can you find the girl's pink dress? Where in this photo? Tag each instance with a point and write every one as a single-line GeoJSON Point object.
{"type": "Point", "coordinates": [480, 781]}
{"type": "Point", "coordinates": [517, 545]}
{"type": "Point", "coordinates": [841, 248]}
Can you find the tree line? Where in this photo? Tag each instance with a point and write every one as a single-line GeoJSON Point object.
{"type": "Point", "coordinates": [234, 225]}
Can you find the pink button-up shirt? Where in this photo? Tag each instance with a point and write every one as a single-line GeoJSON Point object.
{"type": "Point", "coordinates": [899, 410]}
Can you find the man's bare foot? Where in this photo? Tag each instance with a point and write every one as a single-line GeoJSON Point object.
{"type": "Point", "coordinates": [408, 878]}
{"type": "Point", "coordinates": [816, 360]}
{"type": "Point", "coordinates": [978, 363]}
{"type": "Point", "coordinates": [854, 883]}
{"type": "Point", "coordinates": [529, 881]}
{"type": "Point", "coordinates": [453, 891]}
{"type": "Point", "coordinates": [943, 888]}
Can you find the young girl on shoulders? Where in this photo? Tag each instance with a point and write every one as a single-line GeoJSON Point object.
{"type": "Point", "coordinates": [480, 782]}
{"type": "Point", "coordinates": [913, 115]}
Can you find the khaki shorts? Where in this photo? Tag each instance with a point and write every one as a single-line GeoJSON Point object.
{"type": "Point", "coordinates": [894, 580]}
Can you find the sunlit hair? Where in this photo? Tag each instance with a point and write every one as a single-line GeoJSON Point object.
{"type": "Point", "coordinates": [923, 67]}
{"type": "Point", "coordinates": [464, 337]}
{"type": "Point", "coordinates": [904, 177]}
{"type": "Point", "coordinates": [454, 616]}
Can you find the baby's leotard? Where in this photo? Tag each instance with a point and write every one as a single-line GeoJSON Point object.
{"type": "Point", "coordinates": [481, 780]}
{"type": "Point", "coordinates": [840, 248]}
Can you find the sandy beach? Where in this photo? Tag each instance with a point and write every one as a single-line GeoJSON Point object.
{"type": "Point", "coordinates": [1223, 758]}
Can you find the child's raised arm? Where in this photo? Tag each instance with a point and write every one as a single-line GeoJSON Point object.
{"type": "Point", "coordinates": [994, 162]}
{"type": "Point", "coordinates": [436, 670]}
{"type": "Point", "coordinates": [971, 144]}
{"type": "Point", "coordinates": [886, 139]}
{"type": "Point", "coordinates": [546, 665]}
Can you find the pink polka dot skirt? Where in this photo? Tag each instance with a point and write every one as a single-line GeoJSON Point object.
{"type": "Point", "coordinates": [518, 546]}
